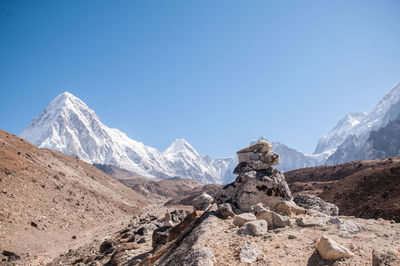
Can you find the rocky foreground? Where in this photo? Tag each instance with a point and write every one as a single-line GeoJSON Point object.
{"type": "Point", "coordinates": [254, 220]}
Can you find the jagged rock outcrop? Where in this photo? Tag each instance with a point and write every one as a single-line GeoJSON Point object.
{"type": "Point", "coordinates": [257, 182]}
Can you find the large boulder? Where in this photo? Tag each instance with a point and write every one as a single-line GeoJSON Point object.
{"type": "Point", "coordinates": [266, 186]}
{"type": "Point", "coordinates": [316, 203]}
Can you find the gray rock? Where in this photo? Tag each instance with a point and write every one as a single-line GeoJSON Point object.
{"type": "Point", "coordinates": [243, 218]}
{"type": "Point", "coordinates": [384, 258]}
{"type": "Point", "coordinates": [335, 220]}
{"type": "Point", "coordinates": [199, 257]}
{"type": "Point", "coordinates": [248, 254]}
{"type": "Point", "coordinates": [145, 229]}
{"type": "Point", "coordinates": [225, 210]}
{"type": "Point", "coordinates": [107, 246]}
{"type": "Point", "coordinates": [143, 240]}
{"type": "Point", "coordinates": [309, 221]}
{"type": "Point", "coordinates": [160, 236]}
{"type": "Point", "coordinates": [316, 203]}
{"type": "Point", "coordinates": [178, 216]}
{"type": "Point", "coordinates": [349, 227]}
{"type": "Point", "coordinates": [273, 219]}
{"type": "Point", "coordinates": [255, 228]}
{"type": "Point", "coordinates": [268, 187]}
{"type": "Point", "coordinates": [202, 202]}
{"type": "Point", "coordinates": [257, 208]}
{"type": "Point", "coordinates": [186, 250]}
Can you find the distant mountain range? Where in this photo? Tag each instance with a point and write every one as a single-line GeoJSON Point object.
{"type": "Point", "coordinates": [70, 126]}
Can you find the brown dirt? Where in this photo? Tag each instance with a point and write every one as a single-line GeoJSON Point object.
{"type": "Point", "coordinates": [47, 197]}
{"type": "Point", "coordinates": [365, 189]}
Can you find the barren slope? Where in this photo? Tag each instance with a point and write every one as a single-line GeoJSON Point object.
{"type": "Point", "coordinates": [366, 189]}
{"type": "Point", "coordinates": [48, 197]}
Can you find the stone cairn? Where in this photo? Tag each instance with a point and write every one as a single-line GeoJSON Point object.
{"type": "Point", "coordinates": [258, 182]}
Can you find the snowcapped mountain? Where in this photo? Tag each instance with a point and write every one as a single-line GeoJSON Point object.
{"type": "Point", "coordinates": [186, 162]}
{"type": "Point", "coordinates": [292, 159]}
{"type": "Point", "coordinates": [70, 126]}
{"type": "Point", "coordinates": [349, 137]}
{"type": "Point", "coordinates": [339, 133]}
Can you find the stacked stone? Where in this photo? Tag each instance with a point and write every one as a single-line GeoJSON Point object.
{"type": "Point", "coordinates": [257, 181]}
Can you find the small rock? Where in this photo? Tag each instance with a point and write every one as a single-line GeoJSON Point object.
{"type": "Point", "coordinates": [330, 250]}
{"type": "Point", "coordinates": [142, 240]}
{"type": "Point", "coordinates": [160, 236]}
{"type": "Point", "coordinates": [225, 210]}
{"type": "Point", "coordinates": [349, 227]}
{"type": "Point", "coordinates": [106, 246]}
{"type": "Point", "coordinates": [256, 228]}
{"type": "Point", "coordinates": [169, 223]}
{"type": "Point", "coordinates": [335, 220]}
{"type": "Point", "coordinates": [202, 202]}
{"type": "Point", "coordinates": [292, 237]}
{"type": "Point", "coordinates": [178, 216]}
{"type": "Point", "coordinates": [147, 228]}
{"type": "Point", "coordinates": [288, 207]}
{"type": "Point", "coordinates": [248, 254]}
{"type": "Point", "coordinates": [34, 224]}
{"type": "Point", "coordinates": [257, 208]}
{"type": "Point", "coordinates": [383, 258]}
{"type": "Point", "coordinates": [73, 237]}
{"type": "Point", "coordinates": [311, 221]}
{"type": "Point", "coordinates": [11, 255]}
{"type": "Point", "coordinates": [274, 220]}
{"type": "Point", "coordinates": [243, 218]}
{"type": "Point", "coordinates": [316, 203]}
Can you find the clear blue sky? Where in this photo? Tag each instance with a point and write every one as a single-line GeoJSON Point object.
{"type": "Point", "coordinates": [218, 73]}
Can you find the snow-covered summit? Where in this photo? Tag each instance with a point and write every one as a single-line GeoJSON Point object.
{"type": "Point", "coordinates": [70, 126]}
{"type": "Point", "coordinates": [361, 124]}
{"type": "Point", "coordinates": [180, 145]}
{"type": "Point", "coordinates": [339, 133]}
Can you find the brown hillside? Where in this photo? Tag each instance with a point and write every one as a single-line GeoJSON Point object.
{"type": "Point", "coordinates": [151, 188]}
{"type": "Point", "coordinates": [365, 189]}
{"type": "Point", "coordinates": [48, 200]}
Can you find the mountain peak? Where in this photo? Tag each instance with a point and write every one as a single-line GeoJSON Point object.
{"type": "Point", "coordinates": [180, 144]}
{"type": "Point", "coordinates": [66, 100]}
